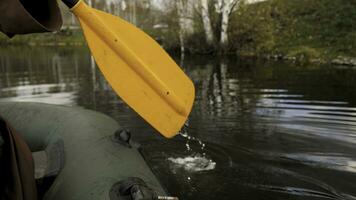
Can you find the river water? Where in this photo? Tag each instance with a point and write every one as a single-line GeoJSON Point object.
{"type": "Point", "coordinates": [258, 129]}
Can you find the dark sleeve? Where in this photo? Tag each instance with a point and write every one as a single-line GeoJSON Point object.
{"type": "Point", "coordinates": [16, 166]}
{"type": "Point", "coordinates": [29, 16]}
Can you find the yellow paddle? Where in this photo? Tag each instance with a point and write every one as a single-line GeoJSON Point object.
{"type": "Point", "coordinates": [137, 68]}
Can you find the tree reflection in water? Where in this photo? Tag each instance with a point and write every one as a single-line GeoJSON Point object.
{"type": "Point", "coordinates": [275, 130]}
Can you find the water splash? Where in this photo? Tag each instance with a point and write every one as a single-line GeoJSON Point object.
{"type": "Point", "coordinates": [197, 160]}
{"type": "Point", "coordinates": [193, 163]}
{"type": "Point", "coordinates": [190, 139]}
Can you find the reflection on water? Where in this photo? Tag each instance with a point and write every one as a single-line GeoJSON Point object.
{"type": "Point", "coordinates": [275, 131]}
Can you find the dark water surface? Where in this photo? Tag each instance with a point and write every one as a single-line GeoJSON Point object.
{"type": "Point", "coordinates": [274, 130]}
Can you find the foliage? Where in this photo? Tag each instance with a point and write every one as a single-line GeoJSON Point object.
{"type": "Point", "coordinates": [165, 30]}
{"type": "Point", "coordinates": [65, 37]}
{"type": "Point", "coordinates": [322, 28]}
{"type": "Point", "coordinates": [303, 53]}
{"type": "Point", "coordinates": [301, 29]}
{"type": "Point", "coordinates": [252, 29]}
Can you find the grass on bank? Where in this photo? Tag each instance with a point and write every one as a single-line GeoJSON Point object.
{"type": "Point", "coordinates": [308, 29]}
{"type": "Point", "coordinates": [65, 37]}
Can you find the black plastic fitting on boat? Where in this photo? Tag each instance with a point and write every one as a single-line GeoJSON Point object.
{"type": "Point", "coordinates": [132, 188]}
{"type": "Point", "coordinates": [123, 137]}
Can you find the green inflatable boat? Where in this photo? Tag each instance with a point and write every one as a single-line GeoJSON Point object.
{"type": "Point", "coordinates": [85, 154]}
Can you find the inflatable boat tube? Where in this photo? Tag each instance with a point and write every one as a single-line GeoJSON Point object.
{"type": "Point", "coordinates": [87, 153]}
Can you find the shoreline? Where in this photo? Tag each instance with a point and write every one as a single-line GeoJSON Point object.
{"type": "Point", "coordinates": [79, 42]}
{"type": "Point", "coordinates": [335, 60]}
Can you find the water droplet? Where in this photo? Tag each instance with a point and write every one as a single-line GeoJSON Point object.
{"type": "Point", "coordinates": [197, 161]}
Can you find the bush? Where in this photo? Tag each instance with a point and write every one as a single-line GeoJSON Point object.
{"type": "Point", "coordinates": [303, 53]}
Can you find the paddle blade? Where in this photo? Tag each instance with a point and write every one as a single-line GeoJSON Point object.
{"type": "Point", "coordinates": [138, 70]}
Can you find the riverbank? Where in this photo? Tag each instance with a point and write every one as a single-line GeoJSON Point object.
{"type": "Point", "coordinates": [65, 37]}
{"type": "Point", "coordinates": [321, 31]}
{"type": "Point", "coordinates": [76, 39]}
{"type": "Point", "coordinates": [339, 60]}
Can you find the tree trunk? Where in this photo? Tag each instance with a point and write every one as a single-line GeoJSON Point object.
{"type": "Point", "coordinates": [189, 17]}
{"type": "Point", "coordinates": [209, 34]}
{"type": "Point", "coordinates": [227, 6]}
{"type": "Point", "coordinates": [134, 14]}
{"type": "Point", "coordinates": [180, 9]}
{"type": "Point", "coordinates": [185, 10]}
{"type": "Point", "coordinates": [224, 27]}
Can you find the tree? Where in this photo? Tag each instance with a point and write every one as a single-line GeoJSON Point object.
{"type": "Point", "coordinates": [225, 8]}
{"type": "Point", "coordinates": [185, 10]}
{"type": "Point", "coordinates": [209, 34]}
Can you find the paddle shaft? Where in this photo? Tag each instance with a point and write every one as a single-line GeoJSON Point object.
{"type": "Point", "coordinates": [82, 11]}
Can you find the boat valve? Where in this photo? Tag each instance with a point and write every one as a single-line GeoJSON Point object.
{"type": "Point", "coordinates": [135, 188]}
{"type": "Point", "coordinates": [123, 136]}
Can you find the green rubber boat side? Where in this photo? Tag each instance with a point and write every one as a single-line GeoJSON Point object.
{"type": "Point", "coordinates": [93, 161]}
